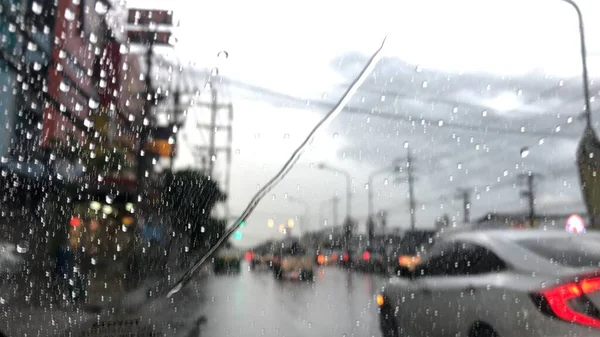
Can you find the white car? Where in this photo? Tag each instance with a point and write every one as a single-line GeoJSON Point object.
{"type": "Point", "coordinates": [499, 283]}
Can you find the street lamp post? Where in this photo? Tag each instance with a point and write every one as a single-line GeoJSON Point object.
{"type": "Point", "coordinates": [323, 166]}
{"type": "Point", "coordinates": [306, 210]}
{"type": "Point", "coordinates": [348, 223]}
{"type": "Point", "coordinates": [370, 220]}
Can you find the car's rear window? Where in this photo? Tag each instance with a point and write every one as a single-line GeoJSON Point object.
{"type": "Point", "coordinates": [412, 242]}
{"type": "Point", "coordinates": [573, 251]}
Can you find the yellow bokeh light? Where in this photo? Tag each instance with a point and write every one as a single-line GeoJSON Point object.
{"type": "Point", "coordinates": [291, 223]}
{"type": "Point", "coordinates": [270, 223]}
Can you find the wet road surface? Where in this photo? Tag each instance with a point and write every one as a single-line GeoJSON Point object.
{"type": "Point", "coordinates": [253, 303]}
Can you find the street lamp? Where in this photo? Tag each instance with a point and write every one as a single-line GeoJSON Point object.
{"type": "Point", "coordinates": [306, 209]}
{"type": "Point", "coordinates": [370, 220]}
{"type": "Point", "coordinates": [323, 166]}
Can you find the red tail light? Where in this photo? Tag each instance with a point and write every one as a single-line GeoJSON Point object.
{"type": "Point", "coordinates": [570, 303]}
{"type": "Point", "coordinates": [345, 257]}
{"type": "Point", "coordinates": [249, 256]}
{"type": "Point", "coordinates": [366, 256]}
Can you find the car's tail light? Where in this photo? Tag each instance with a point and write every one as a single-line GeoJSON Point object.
{"type": "Point", "coordinates": [366, 256]}
{"type": "Point", "coordinates": [345, 257]}
{"type": "Point", "coordinates": [570, 303]}
{"type": "Point", "coordinates": [320, 259]}
{"type": "Point", "coordinates": [334, 257]}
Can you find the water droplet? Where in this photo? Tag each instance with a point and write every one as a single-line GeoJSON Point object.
{"type": "Point", "coordinates": [424, 84]}
{"type": "Point", "coordinates": [524, 152]}
{"type": "Point", "coordinates": [484, 113]}
{"type": "Point", "coordinates": [62, 54]}
{"type": "Point", "coordinates": [223, 55]}
{"type": "Point", "coordinates": [101, 7]}
{"type": "Point", "coordinates": [123, 49]}
{"type": "Point", "coordinates": [64, 87]}
{"type": "Point", "coordinates": [102, 83]}
{"type": "Point", "coordinates": [335, 135]}
{"type": "Point", "coordinates": [418, 68]}
{"type": "Point", "coordinates": [214, 72]}
{"type": "Point", "coordinates": [561, 83]}
{"type": "Point", "coordinates": [406, 145]}
{"type": "Point", "coordinates": [454, 110]}
{"type": "Point", "coordinates": [459, 166]}
{"type": "Point", "coordinates": [440, 122]}
{"type": "Point", "coordinates": [207, 86]}
{"type": "Point", "coordinates": [88, 123]}
{"type": "Point", "coordinates": [69, 14]}
{"type": "Point", "coordinates": [541, 141]}
{"type": "Point", "coordinates": [570, 120]}
{"type": "Point", "coordinates": [385, 181]}
{"type": "Point", "coordinates": [520, 92]}
{"type": "Point", "coordinates": [557, 129]}
{"type": "Point", "coordinates": [31, 46]}
{"type": "Point", "coordinates": [93, 38]}
{"type": "Point", "coordinates": [505, 173]}
{"type": "Point", "coordinates": [36, 8]}
{"type": "Point", "coordinates": [591, 155]}
{"type": "Point", "coordinates": [37, 66]}
{"type": "Point", "coordinates": [22, 247]}
{"type": "Point", "coordinates": [93, 104]}
{"type": "Point", "coordinates": [383, 98]}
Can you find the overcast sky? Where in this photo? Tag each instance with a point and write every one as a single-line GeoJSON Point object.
{"type": "Point", "coordinates": [450, 70]}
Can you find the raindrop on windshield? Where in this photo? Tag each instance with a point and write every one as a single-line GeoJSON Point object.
{"type": "Point", "coordinates": [22, 247]}
{"type": "Point", "coordinates": [524, 152]}
{"type": "Point", "coordinates": [335, 135]}
{"type": "Point", "coordinates": [214, 72]}
{"type": "Point", "coordinates": [541, 141]}
{"type": "Point", "coordinates": [64, 87]}
{"type": "Point", "coordinates": [37, 66]}
{"type": "Point", "coordinates": [505, 173]}
{"type": "Point", "coordinates": [418, 68]}
{"type": "Point", "coordinates": [101, 8]}
{"type": "Point", "coordinates": [93, 104]}
{"type": "Point", "coordinates": [424, 84]}
{"type": "Point", "coordinates": [123, 49]}
{"type": "Point", "coordinates": [223, 55]}
{"type": "Point", "coordinates": [440, 123]}
{"type": "Point", "coordinates": [69, 14]}
{"type": "Point", "coordinates": [36, 8]}
{"type": "Point", "coordinates": [406, 145]}
{"type": "Point", "coordinates": [570, 120]}
{"type": "Point", "coordinates": [484, 113]}
{"type": "Point", "coordinates": [383, 98]}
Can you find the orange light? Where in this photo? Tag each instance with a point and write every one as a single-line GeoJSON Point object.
{"type": "Point", "coordinates": [380, 300]}
{"type": "Point", "coordinates": [320, 259]}
{"type": "Point", "coordinates": [127, 220]}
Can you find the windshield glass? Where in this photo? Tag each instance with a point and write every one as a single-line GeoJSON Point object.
{"type": "Point", "coordinates": [161, 161]}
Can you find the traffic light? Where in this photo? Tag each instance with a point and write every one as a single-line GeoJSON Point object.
{"type": "Point", "coordinates": [238, 235]}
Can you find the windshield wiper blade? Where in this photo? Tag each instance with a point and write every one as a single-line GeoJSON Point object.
{"type": "Point", "coordinates": [337, 108]}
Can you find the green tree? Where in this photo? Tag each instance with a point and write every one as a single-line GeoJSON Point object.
{"type": "Point", "coordinates": [188, 200]}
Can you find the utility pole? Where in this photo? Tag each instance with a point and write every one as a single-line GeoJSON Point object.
{"type": "Point", "coordinates": [336, 202]}
{"type": "Point", "coordinates": [464, 194]}
{"type": "Point", "coordinates": [213, 117]}
{"type": "Point", "coordinates": [411, 191]}
{"type": "Point", "coordinates": [529, 193]}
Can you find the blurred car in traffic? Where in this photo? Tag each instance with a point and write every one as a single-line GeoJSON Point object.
{"type": "Point", "coordinates": [227, 261]}
{"type": "Point", "coordinates": [498, 283]}
{"type": "Point", "coordinates": [292, 261]}
{"type": "Point", "coordinates": [372, 259]}
{"type": "Point", "coordinates": [411, 247]}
